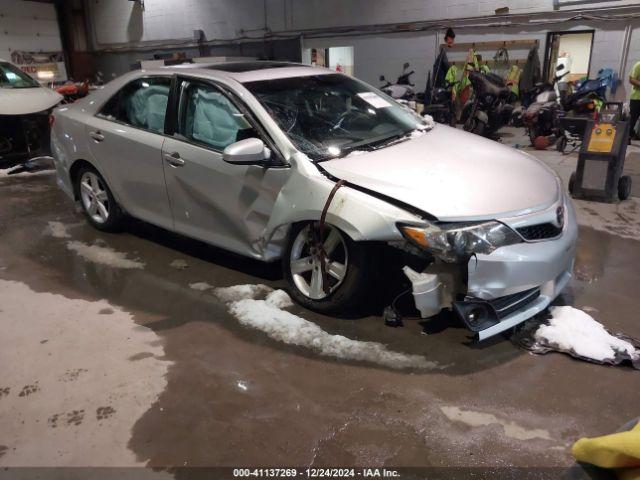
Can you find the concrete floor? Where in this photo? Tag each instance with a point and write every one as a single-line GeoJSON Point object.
{"type": "Point", "coordinates": [109, 357]}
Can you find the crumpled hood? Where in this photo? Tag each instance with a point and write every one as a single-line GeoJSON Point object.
{"type": "Point", "coordinates": [453, 175]}
{"type": "Point", "coordinates": [21, 101]}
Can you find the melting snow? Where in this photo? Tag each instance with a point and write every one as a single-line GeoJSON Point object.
{"type": "Point", "coordinates": [77, 361]}
{"type": "Point", "coordinates": [571, 329]}
{"type": "Point", "coordinates": [480, 419]}
{"type": "Point", "coordinates": [179, 264]}
{"type": "Point", "coordinates": [279, 299]}
{"type": "Point", "coordinates": [267, 315]}
{"type": "Point", "coordinates": [103, 255]}
{"type": "Point", "coordinates": [240, 292]}
{"type": "Point", "coordinates": [200, 286]}
{"type": "Point", "coordinates": [58, 230]}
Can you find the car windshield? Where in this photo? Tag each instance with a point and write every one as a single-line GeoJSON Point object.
{"type": "Point", "coordinates": [13, 77]}
{"type": "Point", "coordinates": [332, 115]}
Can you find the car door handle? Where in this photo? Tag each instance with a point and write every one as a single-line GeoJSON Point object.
{"type": "Point", "coordinates": [174, 159]}
{"type": "Point", "coordinates": [97, 135]}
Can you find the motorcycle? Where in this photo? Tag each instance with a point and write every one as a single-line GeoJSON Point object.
{"type": "Point", "coordinates": [489, 110]}
{"type": "Point", "coordinates": [73, 91]}
{"type": "Point", "coordinates": [442, 107]}
{"type": "Point", "coordinates": [402, 90]}
{"type": "Point", "coordinates": [551, 114]}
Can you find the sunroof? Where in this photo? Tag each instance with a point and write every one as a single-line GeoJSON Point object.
{"type": "Point", "coordinates": [239, 67]}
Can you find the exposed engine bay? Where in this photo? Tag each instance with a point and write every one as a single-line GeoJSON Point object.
{"type": "Point", "coordinates": [23, 137]}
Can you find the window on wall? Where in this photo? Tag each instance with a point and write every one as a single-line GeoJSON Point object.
{"type": "Point", "coordinates": [339, 59]}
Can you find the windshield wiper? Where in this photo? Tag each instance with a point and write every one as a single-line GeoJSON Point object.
{"type": "Point", "coordinates": [369, 146]}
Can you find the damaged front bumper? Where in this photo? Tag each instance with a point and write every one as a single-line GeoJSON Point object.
{"type": "Point", "coordinates": [514, 282]}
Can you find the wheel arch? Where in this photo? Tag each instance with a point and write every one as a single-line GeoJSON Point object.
{"type": "Point", "coordinates": [74, 170]}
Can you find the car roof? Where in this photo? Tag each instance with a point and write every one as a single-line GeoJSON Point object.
{"type": "Point", "coordinates": [244, 72]}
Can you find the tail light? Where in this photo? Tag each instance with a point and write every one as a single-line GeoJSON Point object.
{"type": "Point", "coordinates": [52, 119]}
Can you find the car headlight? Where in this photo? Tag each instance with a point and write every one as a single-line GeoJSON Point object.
{"type": "Point", "coordinates": [453, 241]}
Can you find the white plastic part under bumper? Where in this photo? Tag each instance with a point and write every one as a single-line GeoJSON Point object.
{"type": "Point", "coordinates": [545, 264]}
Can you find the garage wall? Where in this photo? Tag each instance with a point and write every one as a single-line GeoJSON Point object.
{"type": "Point", "coordinates": [119, 24]}
{"type": "Point", "coordinates": [19, 20]}
{"type": "Point", "coordinates": [326, 13]}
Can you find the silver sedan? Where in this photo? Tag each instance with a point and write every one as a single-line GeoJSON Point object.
{"type": "Point", "coordinates": [280, 161]}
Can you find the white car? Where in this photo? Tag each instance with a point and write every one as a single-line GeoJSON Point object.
{"type": "Point", "coordinates": [279, 161]}
{"type": "Point", "coordinates": [24, 116]}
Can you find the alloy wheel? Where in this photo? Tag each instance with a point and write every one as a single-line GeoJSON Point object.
{"type": "Point", "coordinates": [95, 199]}
{"type": "Point", "coordinates": [306, 262]}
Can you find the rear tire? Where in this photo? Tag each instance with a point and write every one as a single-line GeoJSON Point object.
{"type": "Point", "coordinates": [478, 127]}
{"type": "Point", "coordinates": [98, 203]}
{"type": "Point", "coordinates": [347, 260]}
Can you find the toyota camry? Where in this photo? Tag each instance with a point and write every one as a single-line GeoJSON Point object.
{"type": "Point", "coordinates": [318, 170]}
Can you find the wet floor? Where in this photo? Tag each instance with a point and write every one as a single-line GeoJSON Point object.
{"type": "Point", "coordinates": [114, 357]}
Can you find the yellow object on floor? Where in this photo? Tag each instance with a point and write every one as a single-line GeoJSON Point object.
{"type": "Point", "coordinates": [620, 451]}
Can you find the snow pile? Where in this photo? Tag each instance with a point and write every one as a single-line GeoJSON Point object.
{"type": "Point", "coordinates": [279, 299]}
{"type": "Point", "coordinates": [355, 153]}
{"type": "Point", "coordinates": [200, 286]}
{"type": "Point", "coordinates": [575, 331]}
{"type": "Point", "coordinates": [103, 255]}
{"type": "Point", "coordinates": [267, 315]}
{"type": "Point", "coordinates": [241, 292]}
{"type": "Point", "coordinates": [58, 230]}
{"type": "Point", "coordinates": [428, 119]}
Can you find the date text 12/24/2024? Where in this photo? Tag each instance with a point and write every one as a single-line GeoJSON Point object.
{"type": "Point", "coordinates": [315, 473]}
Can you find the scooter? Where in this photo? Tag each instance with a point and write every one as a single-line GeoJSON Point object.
{"type": "Point", "coordinates": [402, 90]}
{"type": "Point", "coordinates": [489, 110]}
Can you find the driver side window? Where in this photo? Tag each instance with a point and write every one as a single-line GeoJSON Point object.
{"type": "Point", "coordinates": [209, 118]}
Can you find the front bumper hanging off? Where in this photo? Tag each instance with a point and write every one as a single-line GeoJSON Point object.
{"type": "Point", "coordinates": [514, 282]}
{"type": "Point", "coordinates": [489, 317]}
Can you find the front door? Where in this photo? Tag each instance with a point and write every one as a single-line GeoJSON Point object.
{"type": "Point", "coordinates": [126, 138]}
{"type": "Point", "coordinates": [211, 200]}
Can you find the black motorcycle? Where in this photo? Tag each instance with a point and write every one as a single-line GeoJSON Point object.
{"type": "Point", "coordinates": [442, 107]}
{"type": "Point", "coordinates": [489, 110]}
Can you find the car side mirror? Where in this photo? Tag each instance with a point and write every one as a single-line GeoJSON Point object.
{"type": "Point", "coordinates": [250, 151]}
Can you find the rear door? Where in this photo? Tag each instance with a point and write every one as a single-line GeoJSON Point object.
{"type": "Point", "coordinates": [223, 204]}
{"type": "Point", "coordinates": [126, 138]}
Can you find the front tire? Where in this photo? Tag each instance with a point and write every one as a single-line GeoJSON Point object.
{"type": "Point", "coordinates": [98, 204]}
{"type": "Point", "coordinates": [477, 126]}
{"type": "Point", "coordinates": [347, 270]}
